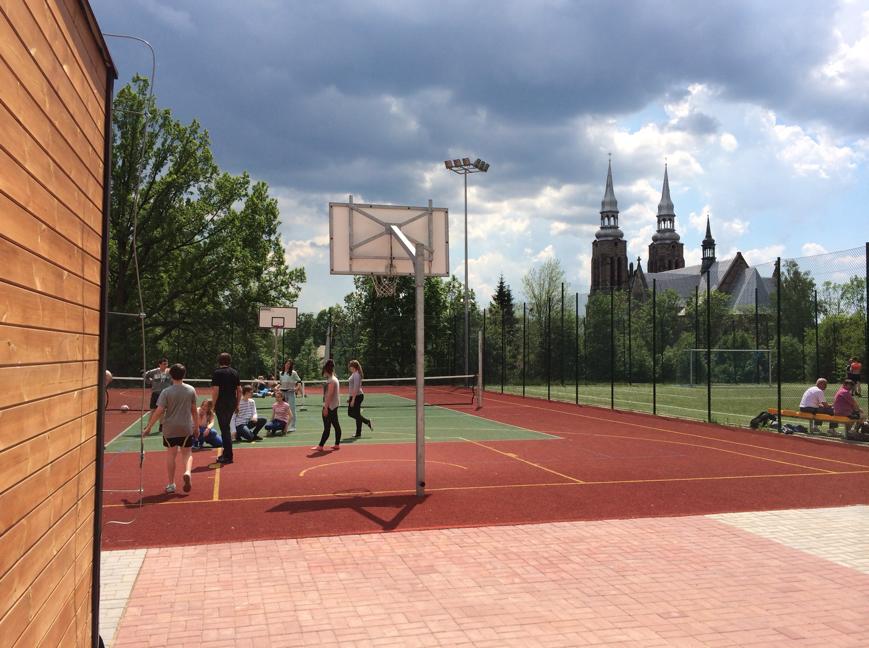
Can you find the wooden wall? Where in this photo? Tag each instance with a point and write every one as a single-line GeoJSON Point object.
{"type": "Point", "coordinates": [53, 80]}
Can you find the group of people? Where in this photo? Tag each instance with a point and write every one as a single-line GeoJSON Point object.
{"type": "Point", "coordinates": [184, 426]}
{"type": "Point", "coordinates": [814, 401]}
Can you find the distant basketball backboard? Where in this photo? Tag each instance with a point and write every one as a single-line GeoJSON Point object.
{"type": "Point", "coordinates": [361, 242]}
{"type": "Point", "coordinates": [273, 317]}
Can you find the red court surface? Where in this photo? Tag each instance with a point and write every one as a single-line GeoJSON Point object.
{"type": "Point", "coordinates": [604, 465]}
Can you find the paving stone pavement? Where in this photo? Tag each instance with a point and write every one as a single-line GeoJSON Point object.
{"type": "Point", "coordinates": [780, 578]}
{"type": "Point", "coordinates": [118, 573]}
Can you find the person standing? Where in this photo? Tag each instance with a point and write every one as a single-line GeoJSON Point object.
{"type": "Point", "coordinates": [176, 405]}
{"type": "Point", "coordinates": [226, 394]}
{"type": "Point", "coordinates": [331, 403]}
{"type": "Point", "coordinates": [354, 405]}
{"type": "Point", "coordinates": [290, 382]}
{"type": "Point", "coordinates": [855, 368]}
{"type": "Point", "coordinates": [157, 379]}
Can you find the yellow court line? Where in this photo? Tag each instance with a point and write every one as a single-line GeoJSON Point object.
{"type": "Point", "coordinates": [651, 427]}
{"type": "Point", "coordinates": [525, 461]}
{"type": "Point", "coordinates": [709, 447]}
{"type": "Point", "coordinates": [493, 487]}
{"type": "Point", "coordinates": [340, 463]}
{"type": "Point", "coordinates": [215, 493]}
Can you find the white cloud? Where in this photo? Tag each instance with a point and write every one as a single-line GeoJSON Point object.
{"type": "Point", "coordinates": [728, 142]}
{"type": "Point", "coordinates": [546, 253]}
{"type": "Point", "coordinates": [810, 153]}
{"type": "Point", "coordinates": [847, 68]}
{"type": "Point", "coordinates": [810, 249]}
{"type": "Point", "coordinates": [734, 228]}
{"type": "Point", "coordinates": [301, 252]}
{"type": "Point", "coordinates": [762, 255]}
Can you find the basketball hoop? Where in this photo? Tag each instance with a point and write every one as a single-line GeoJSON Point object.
{"type": "Point", "coordinates": [385, 284]}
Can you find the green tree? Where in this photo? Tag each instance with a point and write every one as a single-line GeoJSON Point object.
{"type": "Point", "coordinates": [797, 300]}
{"type": "Point", "coordinates": [207, 245]}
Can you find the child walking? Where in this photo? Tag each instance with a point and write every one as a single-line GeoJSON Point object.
{"type": "Point", "coordinates": [331, 403]}
{"type": "Point", "coordinates": [354, 405]}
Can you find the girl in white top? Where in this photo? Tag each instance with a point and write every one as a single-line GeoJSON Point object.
{"type": "Point", "coordinates": [354, 405]}
{"type": "Point", "coordinates": [331, 403]}
{"type": "Point", "coordinates": [290, 383]}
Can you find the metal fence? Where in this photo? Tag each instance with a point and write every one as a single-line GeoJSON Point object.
{"type": "Point", "coordinates": [720, 346]}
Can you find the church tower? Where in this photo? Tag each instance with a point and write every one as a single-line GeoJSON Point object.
{"type": "Point", "coordinates": [665, 251]}
{"type": "Point", "coordinates": [609, 252]}
{"type": "Point", "coordinates": [708, 249]}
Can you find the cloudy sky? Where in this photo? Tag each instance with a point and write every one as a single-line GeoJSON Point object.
{"type": "Point", "coordinates": [760, 108]}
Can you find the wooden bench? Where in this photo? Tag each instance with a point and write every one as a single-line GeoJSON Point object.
{"type": "Point", "coordinates": [828, 418]}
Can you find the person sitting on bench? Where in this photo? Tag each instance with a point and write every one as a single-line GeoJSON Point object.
{"type": "Point", "coordinates": [844, 404]}
{"type": "Point", "coordinates": [814, 401]}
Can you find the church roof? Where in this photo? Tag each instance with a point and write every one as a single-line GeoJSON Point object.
{"type": "Point", "coordinates": [685, 280]}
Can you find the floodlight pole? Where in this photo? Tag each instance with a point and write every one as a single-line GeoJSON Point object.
{"type": "Point", "coordinates": [464, 167]}
{"type": "Point", "coordinates": [417, 253]}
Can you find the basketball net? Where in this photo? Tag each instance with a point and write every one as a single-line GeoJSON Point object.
{"type": "Point", "coordinates": [385, 284]}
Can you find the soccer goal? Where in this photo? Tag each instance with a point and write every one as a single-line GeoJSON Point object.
{"type": "Point", "coordinates": [729, 366]}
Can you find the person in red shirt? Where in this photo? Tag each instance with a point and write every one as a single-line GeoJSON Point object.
{"type": "Point", "coordinates": [844, 404]}
{"type": "Point", "coordinates": [855, 368]}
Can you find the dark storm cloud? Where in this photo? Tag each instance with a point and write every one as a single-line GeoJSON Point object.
{"type": "Point", "coordinates": [353, 96]}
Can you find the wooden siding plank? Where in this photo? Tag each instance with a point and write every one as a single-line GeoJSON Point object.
{"type": "Point", "coordinates": [23, 422]}
{"type": "Point", "coordinates": [24, 459]}
{"type": "Point", "coordinates": [30, 271]}
{"type": "Point", "coordinates": [71, 55]}
{"type": "Point", "coordinates": [32, 383]}
{"type": "Point", "coordinates": [21, 345]}
{"type": "Point", "coordinates": [22, 536]}
{"type": "Point", "coordinates": [49, 121]}
{"type": "Point", "coordinates": [55, 550]}
{"type": "Point", "coordinates": [23, 132]}
{"type": "Point", "coordinates": [31, 233]}
{"type": "Point", "coordinates": [20, 187]}
{"type": "Point", "coordinates": [20, 145]}
{"type": "Point", "coordinates": [31, 43]}
{"type": "Point", "coordinates": [24, 307]}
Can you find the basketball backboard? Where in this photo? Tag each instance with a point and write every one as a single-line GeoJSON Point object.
{"type": "Point", "coordinates": [361, 242]}
{"type": "Point", "coordinates": [274, 317]}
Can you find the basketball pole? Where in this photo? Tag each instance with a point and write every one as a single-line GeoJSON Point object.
{"type": "Point", "coordinates": [417, 253]}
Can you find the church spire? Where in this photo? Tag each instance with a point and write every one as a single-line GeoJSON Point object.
{"type": "Point", "coordinates": [609, 210]}
{"type": "Point", "coordinates": [666, 214]}
{"type": "Point", "coordinates": [708, 248]}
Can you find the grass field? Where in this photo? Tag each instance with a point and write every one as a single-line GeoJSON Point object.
{"type": "Point", "coordinates": [394, 422]}
{"type": "Point", "coordinates": [731, 404]}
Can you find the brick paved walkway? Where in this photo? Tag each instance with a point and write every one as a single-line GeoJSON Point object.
{"type": "Point", "coordinates": [778, 578]}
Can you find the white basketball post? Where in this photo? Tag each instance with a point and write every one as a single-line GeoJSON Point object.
{"type": "Point", "coordinates": [361, 238]}
{"type": "Point", "coordinates": [417, 253]}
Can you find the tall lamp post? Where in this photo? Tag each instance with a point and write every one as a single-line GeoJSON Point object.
{"type": "Point", "coordinates": [465, 167]}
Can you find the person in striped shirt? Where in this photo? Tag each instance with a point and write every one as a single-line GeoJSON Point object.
{"type": "Point", "coordinates": [280, 415]}
{"type": "Point", "coordinates": [245, 421]}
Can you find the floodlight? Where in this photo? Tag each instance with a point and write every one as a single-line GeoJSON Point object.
{"type": "Point", "coordinates": [448, 164]}
{"type": "Point", "coordinates": [466, 161]}
{"type": "Point", "coordinates": [457, 162]}
{"type": "Point", "coordinates": [478, 163]}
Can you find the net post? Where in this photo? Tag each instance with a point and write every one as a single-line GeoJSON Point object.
{"type": "Point", "coordinates": [480, 370]}
{"type": "Point", "coordinates": [778, 337]}
{"type": "Point", "coordinates": [524, 342]}
{"type": "Point", "coordinates": [612, 349]}
{"type": "Point", "coordinates": [576, 353]}
{"type": "Point", "coordinates": [420, 369]}
{"type": "Point", "coordinates": [708, 347]}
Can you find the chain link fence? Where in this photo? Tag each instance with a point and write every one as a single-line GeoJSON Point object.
{"type": "Point", "coordinates": [720, 346]}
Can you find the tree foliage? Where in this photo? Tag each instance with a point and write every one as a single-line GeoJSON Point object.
{"type": "Point", "coordinates": [207, 242]}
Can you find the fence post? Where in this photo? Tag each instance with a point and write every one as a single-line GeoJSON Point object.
{"type": "Point", "coordinates": [503, 347]}
{"type": "Point", "coordinates": [561, 340]}
{"type": "Point", "coordinates": [630, 340]}
{"type": "Point", "coordinates": [817, 342]}
{"type": "Point", "coordinates": [756, 340]}
{"type": "Point", "coordinates": [778, 337]}
{"type": "Point", "coordinates": [866, 318]}
{"type": "Point", "coordinates": [654, 346]}
{"type": "Point", "coordinates": [524, 342]}
{"type": "Point", "coordinates": [612, 348]}
{"type": "Point", "coordinates": [708, 347]}
{"type": "Point", "coordinates": [549, 348]}
{"type": "Point", "coordinates": [696, 330]}
{"type": "Point", "coordinates": [576, 351]}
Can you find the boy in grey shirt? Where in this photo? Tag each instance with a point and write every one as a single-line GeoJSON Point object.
{"type": "Point", "coordinates": [176, 406]}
